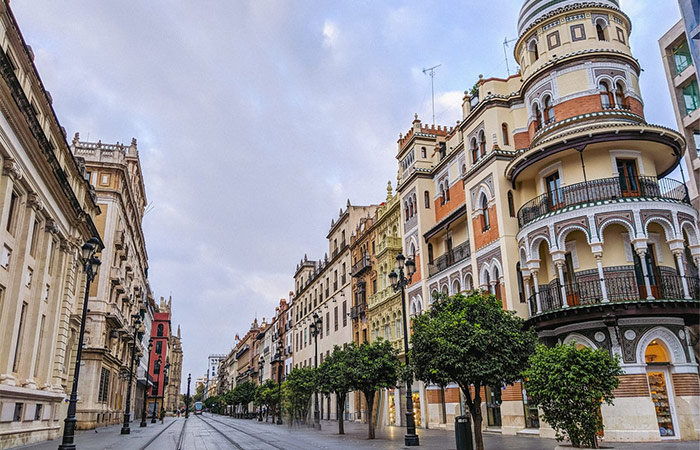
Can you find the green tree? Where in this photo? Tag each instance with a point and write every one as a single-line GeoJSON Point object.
{"type": "Point", "coordinates": [267, 396]}
{"type": "Point", "coordinates": [297, 390]}
{"type": "Point", "coordinates": [244, 394]}
{"type": "Point", "coordinates": [570, 384]}
{"type": "Point", "coordinates": [473, 342]}
{"type": "Point", "coordinates": [198, 393]}
{"type": "Point", "coordinates": [335, 375]}
{"type": "Point", "coordinates": [373, 366]}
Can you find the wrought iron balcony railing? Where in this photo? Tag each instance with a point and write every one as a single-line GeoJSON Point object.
{"type": "Point", "coordinates": [360, 266]}
{"type": "Point", "coordinates": [602, 189]}
{"type": "Point", "coordinates": [450, 258]}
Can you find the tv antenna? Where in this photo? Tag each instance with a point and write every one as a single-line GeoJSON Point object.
{"type": "Point", "coordinates": [505, 53]}
{"type": "Point", "coordinates": [431, 71]}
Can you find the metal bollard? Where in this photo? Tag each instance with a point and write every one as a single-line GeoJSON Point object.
{"type": "Point", "coordinates": [463, 432]}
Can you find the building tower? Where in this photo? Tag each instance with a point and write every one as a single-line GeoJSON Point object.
{"type": "Point", "coordinates": [608, 247]}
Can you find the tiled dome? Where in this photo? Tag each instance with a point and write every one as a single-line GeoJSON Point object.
{"type": "Point", "coordinates": [534, 9]}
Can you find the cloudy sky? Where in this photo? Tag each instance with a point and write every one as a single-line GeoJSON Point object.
{"type": "Point", "coordinates": [256, 121]}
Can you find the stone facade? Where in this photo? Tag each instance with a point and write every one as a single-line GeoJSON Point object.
{"type": "Point", "coordinates": [172, 390]}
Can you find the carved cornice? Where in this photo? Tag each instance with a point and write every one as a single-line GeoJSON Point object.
{"type": "Point", "coordinates": [12, 169]}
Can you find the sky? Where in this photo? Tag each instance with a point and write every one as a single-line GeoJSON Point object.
{"type": "Point", "coordinates": [257, 120]}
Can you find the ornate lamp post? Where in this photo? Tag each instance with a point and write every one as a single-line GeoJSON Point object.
{"type": "Point", "coordinates": [127, 410]}
{"type": "Point", "coordinates": [90, 264]}
{"type": "Point", "coordinates": [155, 405]}
{"type": "Point", "coordinates": [145, 394]}
{"type": "Point", "coordinates": [399, 283]}
{"type": "Point", "coordinates": [279, 361]}
{"type": "Point", "coordinates": [316, 324]}
{"type": "Point", "coordinates": [187, 399]}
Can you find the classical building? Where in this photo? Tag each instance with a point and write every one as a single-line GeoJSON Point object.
{"type": "Point", "coordinates": [383, 303]}
{"type": "Point", "coordinates": [47, 210]}
{"type": "Point", "coordinates": [550, 194]}
{"type": "Point", "coordinates": [119, 293]}
{"type": "Point", "coordinates": [323, 290]}
{"type": "Point", "coordinates": [275, 344]}
{"type": "Point", "coordinates": [172, 390]}
{"type": "Point", "coordinates": [682, 75]}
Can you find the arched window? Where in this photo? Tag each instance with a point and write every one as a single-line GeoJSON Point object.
{"type": "Point", "coordinates": [426, 199]}
{"type": "Point", "coordinates": [443, 198]}
{"type": "Point", "coordinates": [504, 133]}
{"type": "Point", "coordinates": [430, 253]}
{"type": "Point", "coordinates": [456, 288]}
{"type": "Point", "coordinates": [497, 286]}
{"type": "Point", "coordinates": [534, 53]}
{"type": "Point", "coordinates": [485, 221]}
{"type": "Point", "coordinates": [538, 116]}
{"type": "Point", "coordinates": [548, 110]}
{"type": "Point", "coordinates": [606, 98]}
{"type": "Point", "coordinates": [521, 284]}
{"type": "Point", "coordinates": [447, 190]}
{"type": "Point", "coordinates": [475, 151]}
{"type": "Point", "coordinates": [159, 347]}
{"type": "Point", "coordinates": [620, 96]}
{"type": "Point", "coordinates": [160, 330]}
{"type": "Point", "coordinates": [600, 31]}
{"type": "Point", "coordinates": [511, 205]}
{"type": "Point", "coordinates": [410, 207]}
{"type": "Point", "coordinates": [444, 290]}
{"type": "Point", "coordinates": [422, 152]}
{"type": "Point", "coordinates": [405, 205]}
{"type": "Point", "coordinates": [482, 142]}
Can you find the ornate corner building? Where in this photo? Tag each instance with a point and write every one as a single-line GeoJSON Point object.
{"type": "Point", "coordinates": [552, 193]}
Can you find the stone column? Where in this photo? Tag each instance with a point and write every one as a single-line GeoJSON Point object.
{"type": "Point", "coordinates": [537, 290]}
{"type": "Point", "coordinates": [599, 262]}
{"type": "Point", "coordinates": [678, 253]}
{"type": "Point", "coordinates": [642, 252]}
{"type": "Point", "coordinates": [559, 263]}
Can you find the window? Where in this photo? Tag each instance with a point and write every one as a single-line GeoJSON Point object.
{"type": "Point", "coordinates": [12, 214]}
{"type": "Point", "coordinates": [104, 386]}
{"type": "Point", "coordinates": [37, 412]}
{"type": "Point", "coordinates": [504, 133]}
{"type": "Point", "coordinates": [600, 31]}
{"type": "Point", "coordinates": [475, 151]}
{"type": "Point", "coordinates": [620, 35]}
{"type": "Point", "coordinates": [534, 53]}
{"type": "Point", "coordinates": [696, 138]}
{"type": "Point", "coordinates": [681, 57]}
{"type": "Point", "coordinates": [328, 322]}
{"type": "Point", "coordinates": [511, 205]}
{"type": "Point", "coordinates": [538, 116]}
{"type": "Point", "coordinates": [578, 32]}
{"type": "Point", "coordinates": [553, 40]}
{"type": "Point", "coordinates": [17, 417]}
{"type": "Point", "coordinates": [620, 96]}
{"type": "Point", "coordinates": [423, 152]}
{"type": "Point", "coordinates": [52, 256]}
{"type": "Point", "coordinates": [521, 289]}
{"type": "Point", "coordinates": [482, 143]}
{"type": "Point", "coordinates": [606, 99]}
{"type": "Point", "coordinates": [691, 97]}
{"type": "Point", "coordinates": [548, 110]}
{"type": "Point", "coordinates": [30, 275]}
{"type": "Point", "coordinates": [160, 330]}
{"type": "Point", "coordinates": [40, 344]}
{"type": "Point", "coordinates": [554, 193]}
{"type": "Point", "coordinates": [345, 313]}
{"type": "Point", "coordinates": [426, 199]}
{"type": "Point", "coordinates": [6, 257]}
{"type": "Point", "coordinates": [159, 347]}
{"type": "Point", "coordinates": [430, 253]}
{"type": "Point", "coordinates": [35, 238]}
{"type": "Point", "coordinates": [485, 220]}
{"type": "Point", "coordinates": [335, 317]}
{"type": "Point", "coordinates": [18, 343]}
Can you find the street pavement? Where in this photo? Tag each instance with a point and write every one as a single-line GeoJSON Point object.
{"type": "Point", "coordinates": [212, 432]}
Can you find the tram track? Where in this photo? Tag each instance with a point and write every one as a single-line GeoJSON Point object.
{"type": "Point", "coordinates": [234, 443]}
{"type": "Point", "coordinates": [241, 430]}
{"type": "Point", "coordinates": [153, 439]}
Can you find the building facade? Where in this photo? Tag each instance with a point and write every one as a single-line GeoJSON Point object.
{"type": "Point", "coordinates": [47, 212]}
{"type": "Point", "coordinates": [172, 390]}
{"type": "Point", "coordinates": [550, 193]}
{"type": "Point", "coordinates": [159, 359]}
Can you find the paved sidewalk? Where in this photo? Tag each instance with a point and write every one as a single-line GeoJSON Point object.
{"type": "Point", "coordinates": [110, 438]}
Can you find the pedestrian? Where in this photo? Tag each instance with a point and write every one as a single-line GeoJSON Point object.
{"type": "Point", "coordinates": [178, 413]}
{"type": "Point", "coordinates": [162, 415]}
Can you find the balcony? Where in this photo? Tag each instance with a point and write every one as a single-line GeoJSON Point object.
{"type": "Point", "coordinates": [620, 288]}
{"type": "Point", "coordinates": [452, 257]}
{"type": "Point", "coordinates": [603, 189]}
{"type": "Point", "coordinates": [358, 311]}
{"type": "Point", "coordinates": [389, 243]}
{"type": "Point", "coordinates": [115, 317]}
{"type": "Point", "coordinates": [361, 266]}
{"type": "Point", "coordinates": [119, 240]}
{"type": "Point", "coordinates": [381, 295]}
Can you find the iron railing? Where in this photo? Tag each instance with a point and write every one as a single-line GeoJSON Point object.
{"type": "Point", "coordinates": [442, 262]}
{"type": "Point", "coordinates": [358, 311]}
{"type": "Point", "coordinates": [620, 287]}
{"type": "Point", "coordinates": [602, 189]}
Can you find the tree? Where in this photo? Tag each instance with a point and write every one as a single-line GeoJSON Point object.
{"type": "Point", "coordinates": [335, 376]}
{"type": "Point", "coordinates": [267, 396]}
{"type": "Point", "coordinates": [198, 393]}
{"type": "Point", "coordinates": [570, 384]}
{"type": "Point", "coordinates": [473, 342]}
{"type": "Point", "coordinates": [373, 366]}
{"type": "Point", "coordinates": [297, 390]}
{"type": "Point", "coordinates": [245, 394]}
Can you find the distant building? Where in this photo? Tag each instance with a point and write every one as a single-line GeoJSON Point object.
{"type": "Point", "coordinates": [160, 364]}
{"type": "Point", "coordinates": [172, 390]}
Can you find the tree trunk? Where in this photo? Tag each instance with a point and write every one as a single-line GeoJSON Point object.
{"type": "Point", "coordinates": [475, 410]}
{"type": "Point", "coordinates": [340, 400]}
{"type": "Point", "coordinates": [370, 404]}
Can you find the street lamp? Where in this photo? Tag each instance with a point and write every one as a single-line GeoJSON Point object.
{"type": "Point", "coordinates": [90, 265]}
{"type": "Point", "coordinates": [155, 405]}
{"type": "Point", "coordinates": [145, 394]}
{"type": "Point", "coordinates": [187, 399]}
{"type": "Point", "coordinates": [261, 364]}
{"type": "Point", "coordinates": [127, 410]}
{"type": "Point", "coordinates": [316, 327]}
{"type": "Point", "coordinates": [399, 283]}
{"type": "Point", "coordinates": [279, 361]}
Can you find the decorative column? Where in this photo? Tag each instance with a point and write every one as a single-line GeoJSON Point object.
{"type": "Point", "coordinates": [678, 253]}
{"type": "Point", "coordinates": [597, 250]}
{"type": "Point", "coordinates": [642, 252]}
{"type": "Point", "coordinates": [533, 270]}
{"type": "Point", "coordinates": [559, 261]}
{"type": "Point", "coordinates": [526, 284]}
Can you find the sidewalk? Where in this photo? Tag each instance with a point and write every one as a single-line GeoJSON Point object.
{"type": "Point", "coordinates": [110, 438]}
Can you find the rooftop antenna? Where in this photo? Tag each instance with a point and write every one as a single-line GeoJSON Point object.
{"type": "Point", "coordinates": [431, 71]}
{"type": "Point", "coordinates": [505, 53]}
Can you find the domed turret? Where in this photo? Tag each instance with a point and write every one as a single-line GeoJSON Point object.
{"type": "Point", "coordinates": [533, 10]}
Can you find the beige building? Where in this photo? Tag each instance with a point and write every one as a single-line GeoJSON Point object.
{"type": "Point", "coordinates": [682, 76]}
{"type": "Point", "coordinates": [172, 388]}
{"type": "Point", "coordinates": [551, 194]}
{"type": "Point", "coordinates": [323, 288]}
{"type": "Point", "coordinates": [119, 292]}
{"type": "Point", "coordinates": [46, 214]}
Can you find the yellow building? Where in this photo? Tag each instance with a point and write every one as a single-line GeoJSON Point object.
{"type": "Point", "coordinates": [172, 389]}
{"type": "Point", "coordinates": [46, 214]}
{"type": "Point", "coordinates": [550, 193]}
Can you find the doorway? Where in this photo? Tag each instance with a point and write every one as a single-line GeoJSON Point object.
{"type": "Point", "coordinates": [660, 389]}
{"type": "Point", "coordinates": [493, 406]}
{"type": "Point", "coordinates": [629, 181]}
{"type": "Point", "coordinates": [652, 272]}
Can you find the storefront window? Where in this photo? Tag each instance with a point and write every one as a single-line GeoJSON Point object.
{"type": "Point", "coordinates": [657, 359]}
{"type": "Point", "coordinates": [416, 408]}
{"type": "Point", "coordinates": [532, 416]}
{"type": "Point", "coordinates": [493, 406]}
{"type": "Point", "coordinates": [691, 97]}
{"type": "Point", "coordinates": [392, 409]}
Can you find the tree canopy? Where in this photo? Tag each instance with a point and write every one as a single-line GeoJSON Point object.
{"type": "Point", "coordinates": [472, 342]}
{"type": "Point", "coordinates": [297, 390]}
{"type": "Point", "coordinates": [569, 384]}
{"type": "Point", "coordinates": [335, 375]}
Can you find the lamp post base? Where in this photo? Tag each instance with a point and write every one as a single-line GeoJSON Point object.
{"type": "Point", "coordinates": [126, 430]}
{"type": "Point", "coordinates": [143, 423]}
{"type": "Point", "coordinates": [67, 447]}
{"type": "Point", "coordinates": [411, 440]}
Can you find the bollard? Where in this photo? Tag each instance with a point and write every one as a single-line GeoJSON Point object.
{"type": "Point", "coordinates": [463, 432]}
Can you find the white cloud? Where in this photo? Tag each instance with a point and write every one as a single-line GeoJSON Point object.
{"type": "Point", "coordinates": [330, 34]}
